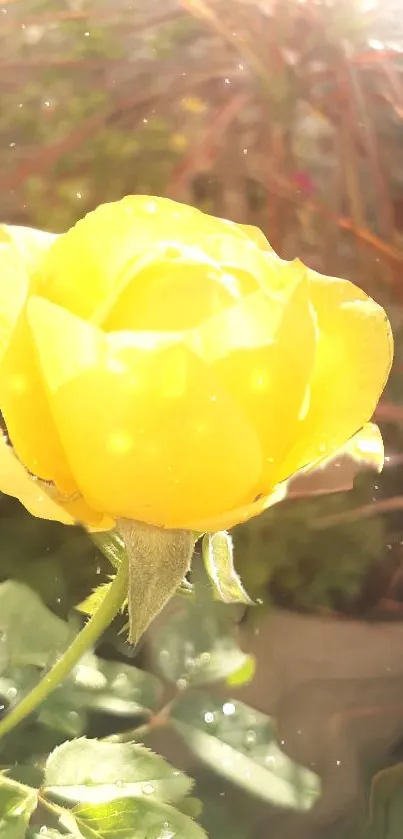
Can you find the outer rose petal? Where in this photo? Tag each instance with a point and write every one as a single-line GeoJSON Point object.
{"type": "Point", "coordinates": [227, 520]}
{"type": "Point", "coordinates": [366, 447]}
{"type": "Point", "coordinates": [31, 244]}
{"type": "Point", "coordinates": [16, 481]}
{"type": "Point", "coordinates": [353, 359]}
{"type": "Point", "coordinates": [257, 237]}
{"type": "Point", "coordinates": [26, 411]}
{"type": "Point", "coordinates": [130, 455]}
{"type": "Point", "coordinates": [41, 501]}
{"type": "Point", "coordinates": [83, 264]}
{"type": "Point", "coordinates": [14, 284]}
{"type": "Point", "coordinates": [269, 378]}
{"type": "Point", "coordinates": [21, 249]}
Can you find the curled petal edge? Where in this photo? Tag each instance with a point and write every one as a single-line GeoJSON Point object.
{"type": "Point", "coordinates": [365, 448]}
{"type": "Point", "coordinates": [43, 500]}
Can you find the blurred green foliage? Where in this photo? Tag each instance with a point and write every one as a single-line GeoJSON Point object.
{"type": "Point", "coordinates": [285, 556]}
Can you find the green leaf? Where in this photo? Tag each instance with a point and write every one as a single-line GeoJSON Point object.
{"type": "Point", "coordinates": [108, 687]}
{"type": "Point", "coordinates": [196, 645]}
{"type": "Point", "coordinates": [92, 771]}
{"type": "Point", "coordinates": [135, 818]}
{"type": "Point", "coordinates": [112, 687]}
{"type": "Point", "coordinates": [239, 743]}
{"type": "Point", "coordinates": [194, 652]}
{"type": "Point", "coordinates": [26, 774]}
{"type": "Point", "coordinates": [30, 633]}
{"type": "Point", "coordinates": [15, 682]}
{"type": "Point", "coordinates": [58, 715]}
{"type": "Point", "coordinates": [190, 806]}
{"type": "Point", "coordinates": [17, 803]}
{"type": "Point", "coordinates": [218, 558]}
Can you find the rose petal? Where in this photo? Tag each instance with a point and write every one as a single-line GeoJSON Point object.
{"type": "Point", "coordinates": [31, 244]}
{"type": "Point", "coordinates": [16, 481]}
{"type": "Point", "coordinates": [269, 381]}
{"type": "Point", "coordinates": [174, 287]}
{"type": "Point", "coordinates": [82, 266]}
{"type": "Point", "coordinates": [250, 324]}
{"type": "Point", "coordinates": [44, 501]}
{"type": "Point", "coordinates": [26, 411]}
{"type": "Point", "coordinates": [239, 255]}
{"type": "Point", "coordinates": [150, 434]}
{"type": "Point", "coordinates": [229, 519]}
{"type": "Point", "coordinates": [14, 284]}
{"type": "Point", "coordinates": [257, 236]}
{"type": "Point", "coordinates": [366, 447]}
{"type": "Point", "coordinates": [353, 359]}
{"type": "Point", "coordinates": [337, 473]}
{"type": "Point", "coordinates": [80, 512]}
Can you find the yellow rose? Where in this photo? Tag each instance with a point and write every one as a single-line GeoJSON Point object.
{"type": "Point", "coordinates": [162, 365]}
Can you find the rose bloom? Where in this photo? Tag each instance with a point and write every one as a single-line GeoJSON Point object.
{"type": "Point", "coordinates": [166, 366]}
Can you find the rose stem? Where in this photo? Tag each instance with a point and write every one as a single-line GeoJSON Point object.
{"type": "Point", "coordinates": [87, 638]}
